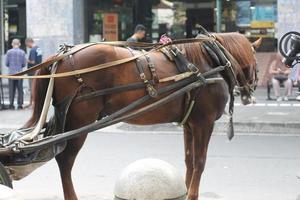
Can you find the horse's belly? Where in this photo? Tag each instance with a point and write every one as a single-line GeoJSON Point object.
{"type": "Point", "coordinates": [170, 112]}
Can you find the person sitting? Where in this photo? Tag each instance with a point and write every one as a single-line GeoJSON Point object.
{"type": "Point", "coordinates": [295, 77]}
{"type": "Point", "coordinates": [280, 75]}
{"type": "Point", "coordinates": [139, 33]}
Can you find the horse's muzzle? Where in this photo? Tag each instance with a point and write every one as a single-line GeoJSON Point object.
{"type": "Point", "coordinates": [248, 99]}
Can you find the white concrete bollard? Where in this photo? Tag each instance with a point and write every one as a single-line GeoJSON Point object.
{"type": "Point", "coordinates": [7, 193]}
{"type": "Point", "coordinates": [150, 179]}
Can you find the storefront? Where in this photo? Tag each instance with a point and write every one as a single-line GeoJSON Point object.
{"type": "Point", "coordinates": [12, 25]}
{"type": "Point", "coordinates": [254, 18]}
{"type": "Point", "coordinates": [1, 33]}
{"type": "Point", "coordinates": [189, 15]}
{"type": "Point", "coordinates": [110, 20]}
{"type": "Point", "coordinates": [13, 22]}
{"type": "Point", "coordinates": [116, 19]}
{"type": "Point", "coordinates": [94, 20]}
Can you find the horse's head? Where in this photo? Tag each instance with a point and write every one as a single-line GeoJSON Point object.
{"type": "Point", "coordinates": [244, 53]}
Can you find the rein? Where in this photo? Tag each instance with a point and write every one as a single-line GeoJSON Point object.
{"type": "Point", "coordinates": [123, 114]}
{"type": "Point", "coordinates": [128, 112]}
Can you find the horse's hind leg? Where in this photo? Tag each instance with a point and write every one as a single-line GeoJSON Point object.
{"type": "Point", "coordinates": [188, 149]}
{"type": "Point", "coordinates": [201, 130]}
{"type": "Point", "coordinates": [79, 115]}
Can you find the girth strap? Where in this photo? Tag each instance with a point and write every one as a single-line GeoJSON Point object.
{"type": "Point", "coordinates": [151, 67]}
{"type": "Point", "coordinates": [149, 87]}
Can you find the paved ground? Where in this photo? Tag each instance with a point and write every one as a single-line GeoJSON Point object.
{"type": "Point", "coordinates": [264, 117]}
{"type": "Point", "coordinates": [261, 163]}
{"type": "Point", "coordinates": [248, 168]}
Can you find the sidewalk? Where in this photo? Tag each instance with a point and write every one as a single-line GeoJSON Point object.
{"type": "Point", "coordinates": [264, 117]}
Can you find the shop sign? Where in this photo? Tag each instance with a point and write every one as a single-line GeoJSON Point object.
{"type": "Point", "coordinates": [265, 13]}
{"type": "Point", "coordinates": [110, 26]}
{"type": "Point", "coordinates": [262, 24]}
{"type": "Point", "coordinates": [243, 17]}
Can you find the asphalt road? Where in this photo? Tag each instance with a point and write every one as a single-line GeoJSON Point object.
{"type": "Point", "coordinates": [264, 117]}
{"type": "Point", "coordinates": [248, 168]}
{"type": "Point", "coordinates": [252, 167]}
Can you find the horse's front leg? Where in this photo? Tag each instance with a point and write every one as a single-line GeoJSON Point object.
{"type": "Point", "coordinates": [65, 162]}
{"type": "Point", "coordinates": [201, 130]}
{"type": "Point", "coordinates": [79, 115]}
{"type": "Point", "coordinates": [188, 150]}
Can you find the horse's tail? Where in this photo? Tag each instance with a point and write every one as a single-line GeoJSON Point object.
{"type": "Point", "coordinates": [39, 90]}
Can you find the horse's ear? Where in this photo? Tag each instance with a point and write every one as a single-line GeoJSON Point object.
{"type": "Point", "coordinates": [257, 43]}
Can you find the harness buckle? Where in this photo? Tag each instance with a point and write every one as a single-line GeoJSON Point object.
{"type": "Point", "coordinates": [80, 80]}
{"type": "Point", "coordinates": [193, 68]}
{"type": "Point", "coordinates": [228, 64]}
{"type": "Point", "coordinates": [151, 65]}
{"type": "Point", "coordinates": [152, 91]}
{"type": "Point", "coordinates": [202, 78]}
{"type": "Point", "coordinates": [143, 76]}
{"type": "Point", "coordinates": [175, 51]}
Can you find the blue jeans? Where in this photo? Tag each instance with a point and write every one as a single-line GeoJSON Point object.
{"type": "Point", "coordinates": [13, 86]}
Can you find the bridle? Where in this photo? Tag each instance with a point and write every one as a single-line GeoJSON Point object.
{"type": "Point", "coordinates": [242, 83]}
{"type": "Point", "coordinates": [228, 58]}
{"type": "Point", "coordinates": [249, 88]}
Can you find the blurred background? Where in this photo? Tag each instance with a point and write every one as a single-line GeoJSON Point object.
{"type": "Point", "coordinates": [53, 22]}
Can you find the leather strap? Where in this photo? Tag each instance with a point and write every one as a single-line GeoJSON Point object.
{"type": "Point", "coordinates": [53, 59]}
{"type": "Point", "coordinates": [151, 68]}
{"type": "Point", "coordinates": [149, 87]}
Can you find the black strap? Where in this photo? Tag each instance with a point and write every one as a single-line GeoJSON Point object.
{"type": "Point", "coordinates": [152, 69]}
{"type": "Point", "coordinates": [149, 87]}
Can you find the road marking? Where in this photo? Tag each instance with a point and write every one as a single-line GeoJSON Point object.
{"type": "Point", "coordinates": [259, 104]}
{"type": "Point", "coordinates": [285, 104]}
{"type": "Point", "coordinates": [269, 105]}
{"type": "Point", "coordinates": [278, 113]}
{"type": "Point", "coordinates": [6, 102]}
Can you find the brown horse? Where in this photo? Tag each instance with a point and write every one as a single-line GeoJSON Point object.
{"type": "Point", "coordinates": [209, 105]}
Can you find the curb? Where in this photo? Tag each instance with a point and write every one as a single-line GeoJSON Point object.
{"type": "Point", "coordinates": [240, 128]}
{"type": "Point", "coordinates": [288, 128]}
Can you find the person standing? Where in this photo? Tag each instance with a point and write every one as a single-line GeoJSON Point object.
{"type": "Point", "coordinates": [139, 33]}
{"type": "Point", "coordinates": [35, 57]}
{"type": "Point", "coordinates": [15, 61]}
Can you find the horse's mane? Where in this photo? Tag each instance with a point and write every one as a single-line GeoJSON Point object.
{"type": "Point", "coordinates": [237, 45]}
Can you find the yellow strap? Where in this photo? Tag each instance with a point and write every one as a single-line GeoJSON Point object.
{"type": "Point", "coordinates": [177, 77]}
{"type": "Point", "coordinates": [76, 72]}
{"type": "Point", "coordinates": [54, 59]}
{"type": "Point", "coordinates": [187, 114]}
{"type": "Point", "coordinates": [96, 67]}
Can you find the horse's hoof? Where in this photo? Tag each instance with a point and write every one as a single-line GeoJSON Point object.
{"type": "Point", "coordinates": [192, 197]}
